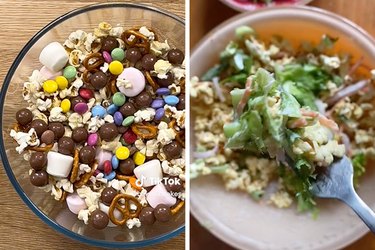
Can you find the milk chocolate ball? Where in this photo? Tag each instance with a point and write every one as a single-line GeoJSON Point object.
{"type": "Point", "coordinates": [57, 128]}
{"type": "Point", "coordinates": [147, 216]}
{"type": "Point", "coordinates": [39, 178]}
{"type": "Point", "coordinates": [108, 131]}
{"type": "Point", "coordinates": [87, 154]}
{"type": "Point", "coordinates": [107, 195]}
{"type": "Point", "coordinates": [24, 116]}
{"type": "Point", "coordinates": [172, 150]}
{"type": "Point", "coordinates": [99, 219]}
{"type": "Point", "coordinates": [66, 145]}
{"type": "Point", "coordinates": [39, 125]}
{"type": "Point", "coordinates": [162, 213]}
{"type": "Point", "coordinates": [38, 160]}
{"type": "Point", "coordinates": [79, 135]}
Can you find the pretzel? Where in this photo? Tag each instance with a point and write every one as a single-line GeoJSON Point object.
{"type": "Point", "coordinates": [74, 173]}
{"type": "Point", "coordinates": [138, 129]}
{"type": "Point", "coordinates": [16, 127]}
{"type": "Point", "coordinates": [151, 81]}
{"type": "Point", "coordinates": [182, 85]}
{"type": "Point", "coordinates": [86, 77]}
{"type": "Point", "coordinates": [136, 28]}
{"type": "Point", "coordinates": [124, 209]}
{"type": "Point", "coordinates": [63, 196]}
{"type": "Point", "coordinates": [177, 207]}
{"type": "Point", "coordinates": [99, 60]}
{"type": "Point", "coordinates": [123, 177]}
{"type": "Point", "coordinates": [86, 176]}
{"type": "Point", "coordinates": [41, 149]}
{"type": "Point", "coordinates": [139, 40]}
{"type": "Point", "coordinates": [111, 87]}
{"type": "Point", "coordinates": [172, 125]}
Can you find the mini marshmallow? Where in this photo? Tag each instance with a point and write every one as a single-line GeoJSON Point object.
{"type": "Point", "coordinates": [48, 74]}
{"type": "Point", "coordinates": [149, 173]}
{"type": "Point", "coordinates": [117, 214]}
{"type": "Point", "coordinates": [54, 57]}
{"type": "Point", "coordinates": [136, 81]}
{"type": "Point", "coordinates": [75, 203]}
{"type": "Point", "coordinates": [160, 195]}
{"type": "Point", "coordinates": [59, 165]}
{"type": "Point", "coordinates": [102, 156]}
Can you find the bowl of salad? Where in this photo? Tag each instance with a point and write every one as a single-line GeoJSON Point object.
{"type": "Point", "coordinates": [251, 5]}
{"type": "Point", "coordinates": [282, 82]}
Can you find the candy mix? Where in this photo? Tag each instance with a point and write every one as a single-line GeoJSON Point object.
{"type": "Point", "coordinates": [104, 127]}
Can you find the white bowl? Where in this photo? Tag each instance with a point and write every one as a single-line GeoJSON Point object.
{"type": "Point", "coordinates": [233, 216]}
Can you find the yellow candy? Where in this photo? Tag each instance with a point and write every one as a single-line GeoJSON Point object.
{"type": "Point", "coordinates": [50, 86]}
{"type": "Point", "coordinates": [65, 105]}
{"type": "Point", "coordinates": [122, 153]}
{"type": "Point", "coordinates": [139, 158]}
{"type": "Point", "coordinates": [62, 82]}
{"type": "Point", "coordinates": [115, 67]}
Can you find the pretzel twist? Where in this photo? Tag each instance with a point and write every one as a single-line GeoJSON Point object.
{"type": "Point", "coordinates": [74, 173]}
{"type": "Point", "coordinates": [177, 207]}
{"type": "Point", "coordinates": [151, 81]}
{"type": "Point", "coordinates": [125, 209]}
{"type": "Point", "coordinates": [86, 176]}
{"type": "Point", "coordinates": [139, 129]}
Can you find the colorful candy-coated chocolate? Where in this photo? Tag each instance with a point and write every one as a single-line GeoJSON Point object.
{"type": "Point", "coordinates": [171, 100]}
{"type": "Point", "coordinates": [75, 203]}
{"type": "Point", "coordinates": [139, 158]}
{"type": "Point", "coordinates": [48, 74]}
{"type": "Point", "coordinates": [159, 114]}
{"type": "Point", "coordinates": [111, 109]}
{"type": "Point", "coordinates": [96, 172]}
{"type": "Point", "coordinates": [118, 118]}
{"type": "Point", "coordinates": [107, 57]}
{"type": "Point", "coordinates": [62, 82]}
{"type": "Point", "coordinates": [92, 139]}
{"type": "Point", "coordinates": [98, 110]}
{"type": "Point", "coordinates": [118, 99]}
{"type": "Point", "coordinates": [129, 137]}
{"type": "Point", "coordinates": [157, 103]}
{"type": "Point", "coordinates": [110, 176]}
{"type": "Point", "coordinates": [86, 93]}
{"type": "Point", "coordinates": [107, 167]}
{"type": "Point", "coordinates": [115, 162]}
{"type": "Point", "coordinates": [65, 105]}
{"type": "Point", "coordinates": [163, 91]}
{"type": "Point", "coordinates": [116, 67]}
{"type": "Point", "coordinates": [102, 156]}
{"type": "Point", "coordinates": [136, 79]}
{"type": "Point", "coordinates": [50, 86]}
{"type": "Point", "coordinates": [81, 108]}
{"type": "Point", "coordinates": [118, 54]}
{"type": "Point", "coordinates": [70, 72]}
{"type": "Point", "coordinates": [128, 121]}
{"type": "Point", "coordinates": [122, 153]}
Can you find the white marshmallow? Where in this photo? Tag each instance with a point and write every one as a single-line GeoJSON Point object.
{"type": "Point", "coordinates": [117, 214]}
{"type": "Point", "coordinates": [48, 74]}
{"type": "Point", "coordinates": [54, 56]}
{"type": "Point", "coordinates": [149, 173]}
{"type": "Point", "coordinates": [59, 165]}
{"type": "Point", "coordinates": [160, 195]}
{"type": "Point", "coordinates": [75, 203]}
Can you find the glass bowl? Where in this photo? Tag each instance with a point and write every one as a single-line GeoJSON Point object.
{"type": "Point", "coordinates": [54, 213]}
{"type": "Point", "coordinates": [233, 216]}
{"type": "Point", "coordinates": [242, 5]}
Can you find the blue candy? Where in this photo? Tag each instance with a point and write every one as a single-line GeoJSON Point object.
{"type": "Point", "coordinates": [112, 109]}
{"type": "Point", "coordinates": [98, 110]}
{"type": "Point", "coordinates": [111, 176]}
{"type": "Point", "coordinates": [115, 162]}
{"type": "Point", "coordinates": [159, 114]}
{"type": "Point", "coordinates": [118, 118]}
{"type": "Point", "coordinates": [171, 100]}
{"type": "Point", "coordinates": [163, 91]}
{"type": "Point", "coordinates": [157, 103]}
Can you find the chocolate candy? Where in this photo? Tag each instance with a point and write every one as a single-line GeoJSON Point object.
{"type": "Point", "coordinates": [175, 56]}
{"type": "Point", "coordinates": [108, 131]}
{"type": "Point", "coordinates": [38, 160]}
{"type": "Point", "coordinates": [147, 216]}
{"type": "Point", "coordinates": [162, 213]}
{"type": "Point", "coordinates": [107, 195]}
{"type": "Point", "coordinates": [181, 103]}
{"type": "Point", "coordinates": [157, 103]}
{"type": "Point", "coordinates": [127, 166]}
{"type": "Point", "coordinates": [148, 61]}
{"type": "Point", "coordinates": [66, 145]}
{"type": "Point", "coordinates": [98, 80]}
{"type": "Point", "coordinates": [79, 135]}
{"type": "Point", "coordinates": [86, 93]}
{"type": "Point", "coordinates": [144, 99]}
{"type": "Point", "coordinates": [24, 116]}
{"type": "Point", "coordinates": [99, 219]}
{"type": "Point", "coordinates": [87, 155]}
{"type": "Point", "coordinates": [159, 114]}
{"type": "Point", "coordinates": [39, 125]}
{"type": "Point", "coordinates": [172, 150]}
{"type": "Point", "coordinates": [167, 81]}
{"type": "Point", "coordinates": [48, 137]}
{"type": "Point", "coordinates": [133, 55]}
{"type": "Point", "coordinates": [57, 128]}
{"type": "Point", "coordinates": [174, 184]}
{"type": "Point", "coordinates": [39, 178]}
{"type": "Point", "coordinates": [129, 137]}
{"type": "Point", "coordinates": [128, 109]}
{"type": "Point", "coordinates": [109, 43]}
{"type": "Point", "coordinates": [76, 100]}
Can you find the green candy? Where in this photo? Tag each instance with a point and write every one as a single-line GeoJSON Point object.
{"type": "Point", "coordinates": [70, 72]}
{"type": "Point", "coordinates": [118, 99]}
{"type": "Point", "coordinates": [118, 54]}
{"type": "Point", "coordinates": [128, 121]}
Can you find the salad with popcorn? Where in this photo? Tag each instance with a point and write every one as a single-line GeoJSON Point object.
{"type": "Point", "coordinates": [267, 101]}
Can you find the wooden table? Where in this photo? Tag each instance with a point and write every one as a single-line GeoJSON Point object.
{"type": "Point", "coordinates": [19, 21]}
{"type": "Point", "coordinates": [205, 15]}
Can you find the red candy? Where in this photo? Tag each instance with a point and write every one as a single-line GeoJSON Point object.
{"type": "Point", "coordinates": [86, 93]}
{"type": "Point", "coordinates": [97, 171]}
{"type": "Point", "coordinates": [129, 136]}
{"type": "Point", "coordinates": [107, 167]}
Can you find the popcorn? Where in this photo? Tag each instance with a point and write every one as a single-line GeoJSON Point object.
{"type": "Point", "coordinates": [149, 149]}
{"type": "Point", "coordinates": [179, 115]}
{"type": "Point", "coordinates": [94, 124]}
{"type": "Point", "coordinates": [66, 185]}
{"type": "Point", "coordinates": [43, 105]}
{"type": "Point", "coordinates": [146, 114]}
{"type": "Point", "coordinates": [91, 197]}
{"type": "Point", "coordinates": [98, 178]}
{"type": "Point", "coordinates": [116, 31]}
{"type": "Point", "coordinates": [75, 39]}
{"type": "Point", "coordinates": [103, 29]}
{"type": "Point", "coordinates": [75, 121]}
{"type": "Point", "coordinates": [158, 48]}
{"type": "Point", "coordinates": [170, 169]}
{"type": "Point", "coordinates": [25, 139]}
{"type": "Point", "coordinates": [135, 222]}
{"type": "Point", "coordinates": [76, 57]}
{"type": "Point", "coordinates": [112, 145]}
{"type": "Point", "coordinates": [162, 67]}
{"type": "Point", "coordinates": [178, 73]}
{"type": "Point", "coordinates": [118, 185]}
{"type": "Point", "coordinates": [144, 31]}
{"type": "Point", "coordinates": [175, 90]}
{"type": "Point", "coordinates": [142, 197]}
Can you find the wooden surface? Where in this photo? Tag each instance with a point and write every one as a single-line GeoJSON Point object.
{"type": "Point", "coordinates": [205, 15]}
{"type": "Point", "coordinates": [19, 21]}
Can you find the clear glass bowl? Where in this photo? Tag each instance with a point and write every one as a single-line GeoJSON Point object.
{"type": "Point", "coordinates": [54, 213]}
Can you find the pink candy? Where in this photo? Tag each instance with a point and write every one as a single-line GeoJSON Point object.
{"type": "Point", "coordinates": [48, 74]}
{"type": "Point", "coordinates": [92, 139]}
{"type": "Point", "coordinates": [81, 108]}
{"type": "Point", "coordinates": [102, 156]}
{"type": "Point", "coordinates": [75, 203]}
{"type": "Point", "coordinates": [86, 93]}
{"type": "Point", "coordinates": [107, 57]}
{"type": "Point", "coordinates": [160, 195]}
